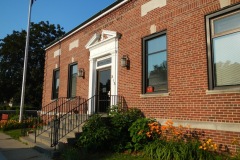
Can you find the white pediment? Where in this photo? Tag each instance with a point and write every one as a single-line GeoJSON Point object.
{"type": "Point", "coordinates": [100, 38]}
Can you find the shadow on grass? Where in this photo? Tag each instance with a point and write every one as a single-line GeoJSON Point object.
{"type": "Point", "coordinates": [76, 154]}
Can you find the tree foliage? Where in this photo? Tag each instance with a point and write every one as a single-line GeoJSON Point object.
{"type": "Point", "coordinates": [12, 50]}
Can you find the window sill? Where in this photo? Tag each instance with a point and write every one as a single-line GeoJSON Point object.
{"type": "Point", "coordinates": [154, 95]}
{"type": "Point", "coordinates": [209, 92]}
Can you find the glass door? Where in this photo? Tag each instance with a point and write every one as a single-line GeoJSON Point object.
{"type": "Point", "coordinates": [103, 89]}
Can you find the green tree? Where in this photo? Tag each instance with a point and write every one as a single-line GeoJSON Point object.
{"type": "Point", "coordinates": [12, 49]}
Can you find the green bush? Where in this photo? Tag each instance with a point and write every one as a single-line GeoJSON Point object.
{"type": "Point", "coordinates": [71, 154]}
{"type": "Point", "coordinates": [108, 133]}
{"type": "Point", "coordinates": [120, 123]}
{"type": "Point", "coordinates": [141, 133]}
{"type": "Point", "coordinates": [96, 134]}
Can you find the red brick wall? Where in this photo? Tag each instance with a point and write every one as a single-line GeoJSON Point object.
{"type": "Point", "coordinates": [184, 21]}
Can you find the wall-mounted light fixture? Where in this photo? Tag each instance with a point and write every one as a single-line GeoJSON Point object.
{"type": "Point", "coordinates": [81, 72]}
{"type": "Point", "coordinates": [125, 61]}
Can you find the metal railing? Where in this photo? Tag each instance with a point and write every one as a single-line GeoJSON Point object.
{"type": "Point", "coordinates": [66, 123]}
{"type": "Point", "coordinates": [56, 108]}
{"type": "Point", "coordinates": [54, 104]}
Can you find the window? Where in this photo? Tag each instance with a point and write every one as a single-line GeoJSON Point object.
{"type": "Point", "coordinates": [155, 63]}
{"type": "Point", "coordinates": [223, 35]}
{"type": "Point", "coordinates": [55, 86]}
{"type": "Point", "coordinates": [72, 81]}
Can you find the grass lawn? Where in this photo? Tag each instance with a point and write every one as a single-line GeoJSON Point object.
{"type": "Point", "coordinates": [15, 133]}
{"type": "Point", "coordinates": [118, 156]}
{"type": "Point", "coordinates": [115, 156]}
{"type": "Point", "coordinates": [76, 154]}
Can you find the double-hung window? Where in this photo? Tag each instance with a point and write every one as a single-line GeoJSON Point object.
{"type": "Point", "coordinates": [155, 79]}
{"type": "Point", "coordinates": [223, 36]}
{"type": "Point", "coordinates": [55, 84]}
{"type": "Point", "coordinates": [72, 80]}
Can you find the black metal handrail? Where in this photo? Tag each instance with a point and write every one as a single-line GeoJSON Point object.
{"type": "Point", "coordinates": [66, 123]}
{"type": "Point", "coordinates": [54, 104]}
{"type": "Point", "coordinates": [45, 117]}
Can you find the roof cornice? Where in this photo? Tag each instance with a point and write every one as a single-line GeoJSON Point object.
{"type": "Point", "coordinates": [89, 21]}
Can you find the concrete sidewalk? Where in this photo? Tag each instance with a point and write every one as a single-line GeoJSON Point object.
{"type": "Point", "coordinates": [11, 149]}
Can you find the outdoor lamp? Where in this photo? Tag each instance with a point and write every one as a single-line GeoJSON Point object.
{"type": "Point", "coordinates": [81, 72]}
{"type": "Point", "coordinates": [125, 61]}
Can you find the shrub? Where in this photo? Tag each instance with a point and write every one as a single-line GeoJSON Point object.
{"type": "Point", "coordinates": [108, 133]}
{"type": "Point", "coordinates": [71, 154]}
{"type": "Point", "coordinates": [96, 134]}
{"type": "Point", "coordinates": [143, 131]}
{"type": "Point", "coordinates": [120, 123]}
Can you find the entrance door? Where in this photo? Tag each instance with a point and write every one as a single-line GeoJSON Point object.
{"type": "Point", "coordinates": [103, 89]}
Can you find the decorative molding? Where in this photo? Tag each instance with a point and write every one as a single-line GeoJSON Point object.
{"type": "Point", "coordinates": [73, 44]}
{"type": "Point", "coordinates": [153, 29]}
{"type": "Point", "coordinates": [88, 23]}
{"type": "Point", "coordinates": [101, 46]}
{"type": "Point", "coordinates": [57, 53]}
{"type": "Point", "coordinates": [100, 38]}
{"type": "Point", "coordinates": [224, 3]}
{"type": "Point", "coordinates": [151, 5]}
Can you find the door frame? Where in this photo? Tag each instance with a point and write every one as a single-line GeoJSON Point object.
{"type": "Point", "coordinates": [103, 46]}
{"type": "Point", "coordinates": [97, 102]}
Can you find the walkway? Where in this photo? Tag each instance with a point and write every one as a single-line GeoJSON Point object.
{"type": "Point", "coordinates": [11, 149]}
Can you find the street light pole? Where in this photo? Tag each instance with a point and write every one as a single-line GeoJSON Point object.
{"type": "Point", "coordinates": [25, 62]}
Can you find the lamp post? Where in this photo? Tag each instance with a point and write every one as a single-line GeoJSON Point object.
{"type": "Point", "coordinates": [25, 62]}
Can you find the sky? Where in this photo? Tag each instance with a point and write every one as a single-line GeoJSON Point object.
{"type": "Point", "coordinates": [68, 13]}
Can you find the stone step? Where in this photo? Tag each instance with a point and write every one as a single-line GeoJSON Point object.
{"type": "Point", "coordinates": [45, 137]}
{"type": "Point", "coordinates": [43, 148]}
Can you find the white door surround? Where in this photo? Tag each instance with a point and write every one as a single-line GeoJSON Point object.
{"type": "Point", "coordinates": [103, 46]}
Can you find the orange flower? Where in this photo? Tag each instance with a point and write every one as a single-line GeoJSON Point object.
{"type": "Point", "coordinates": [148, 134]}
{"type": "Point", "coordinates": [163, 128]}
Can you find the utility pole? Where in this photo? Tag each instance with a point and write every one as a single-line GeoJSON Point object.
{"type": "Point", "coordinates": [25, 62]}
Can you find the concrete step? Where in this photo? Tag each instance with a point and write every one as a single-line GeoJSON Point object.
{"type": "Point", "coordinates": [45, 137]}
{"type": "Point", "coordinates": [41, 147]}
{"type": "Point", "coordinates": [43, 141]}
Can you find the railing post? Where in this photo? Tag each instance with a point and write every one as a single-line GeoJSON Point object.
{"type": "Point", "coordinates": [55, 131]}
{"type": "Point", "coordinates": [35, 128]}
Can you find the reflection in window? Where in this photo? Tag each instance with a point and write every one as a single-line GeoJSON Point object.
{"type": "Point", "coordinates": [227, 59]}
{"type": "Point", "coordinates": [72, 86]}
{"type": "Point", "coordinates": [104, 62]}
{"type": "Point", "coordinates": [155, 59]}
{"type": "Point", "coordinates": [55, 86]}
{"type": "Point", "coordinates": [225, 49]}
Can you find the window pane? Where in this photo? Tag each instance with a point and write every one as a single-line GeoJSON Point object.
{"type": "Point", "coordinates": [157, 71]}
{"type": "Point", "coordinates": [157, 44]}
{"type": "Point", "coordinates": [73, 80]}
{"type": "Point", "coordinates": [55, 84]}
{"type": "Point", "coordinates": [227, 59]}
{"type": "Point", "coordinates": [226, 24]}
{"type": "Point", "coordinates": [104, 62]}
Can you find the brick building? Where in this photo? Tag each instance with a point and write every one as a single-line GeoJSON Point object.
{"type": "Point", "coordinates": [183, 61]}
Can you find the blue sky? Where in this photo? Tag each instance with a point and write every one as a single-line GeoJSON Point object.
{"type": "Point", "coordinates": [67, 13]}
